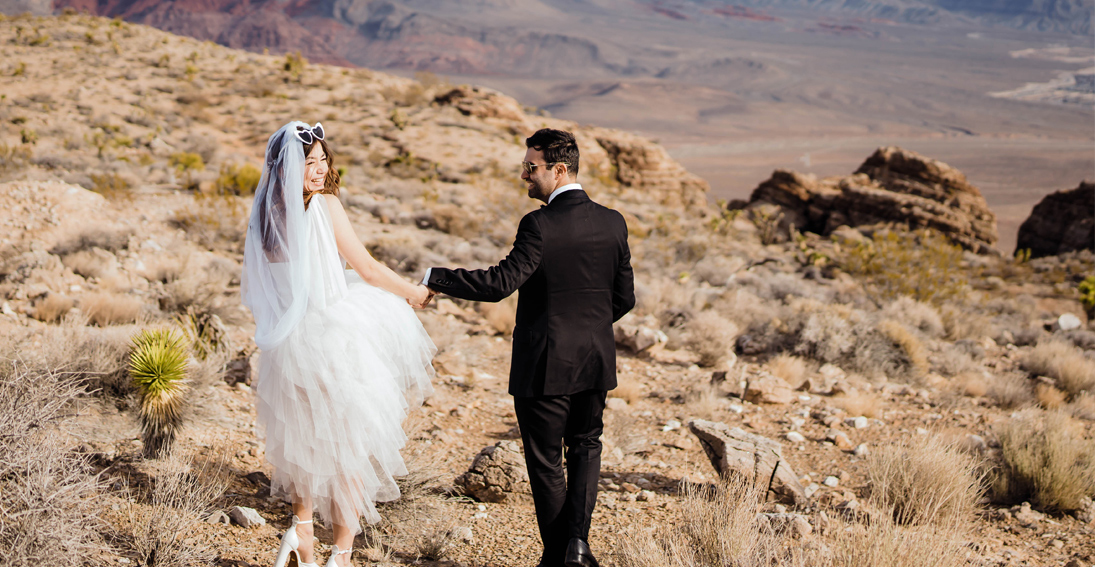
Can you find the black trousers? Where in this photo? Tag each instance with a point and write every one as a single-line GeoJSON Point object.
{"type": "Point", "coordinates": [564, 502]}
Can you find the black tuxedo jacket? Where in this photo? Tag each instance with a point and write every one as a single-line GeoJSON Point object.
{"type": "Point", "coordinates": [571, 263]}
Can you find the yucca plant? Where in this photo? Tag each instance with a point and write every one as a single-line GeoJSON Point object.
{"type": "Point", "coordinates": [157, 366]}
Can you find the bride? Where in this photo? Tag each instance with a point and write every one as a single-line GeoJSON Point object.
{"type": "Point", "coordinates": [343, 355]}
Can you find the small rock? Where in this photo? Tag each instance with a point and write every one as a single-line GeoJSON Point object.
{"type": "Point", "coordinates": [765, 388]}
{"type": "Point", "coordinates": [246, 517]}
{"type": "Point", "coordinates": [857, 422]}
{"type": "Point", "coordinates": [497, 474]}
{"type": "Point", "coordinates": [645, 496]}
{"type": "Point", "coordinates": [1057, 543]}
{"type": "Point", "coordinates": [735, 408]}
{"type": "Point", "coordinates": [797, 422]}
{"type": "Point", "coordinates": [795, 437]}
{"type": "Point", "coordinates": [629, 487]}
{"type": "Point", "coordinates": [780, 522]}
{"type": "Point", "coordinates": [831, 481]}
{"type": "Point", "coordinates": [671, 425]}
{"type": "Point", "coordinates": [1086, 512]}
{"type": "Point", "coordinates": [218, 517]}
{"type": "Point", "coordinates": [462, 533]}
{"type": "Point", "coordinates": [921, 431]}
{"type": "Point", "coordinates": [976, 443]}
{"type": "Point", "coordinates": [616, 404]}
{"type": "Point", "coordinates": [861, 450]}
{"type": "Point", "coordinates": [811, 489]}
{"type": "Point", "coordinates": [1068, 322]}
{"type": "Point", "coordinates": [1025, 516]}
{"type": "Point", "coordinates": [840, 439]}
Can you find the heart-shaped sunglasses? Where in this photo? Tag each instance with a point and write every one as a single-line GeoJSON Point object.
{"type": "Point", "coordinates": [308, 135]}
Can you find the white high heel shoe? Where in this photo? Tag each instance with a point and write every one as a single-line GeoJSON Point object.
{"type": "Point", "coordinates": [290, 543]}
{"type": "Point", "coordinates": [335, 553]}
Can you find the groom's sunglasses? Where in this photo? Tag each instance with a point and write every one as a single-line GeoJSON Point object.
{"type": "Point", "coordinates": [308, 135]}
{"type": "Point", "coordinates": [529, 167]}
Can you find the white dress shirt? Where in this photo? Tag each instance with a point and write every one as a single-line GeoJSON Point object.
{"type": "Point", "coordinates": [554, 194]}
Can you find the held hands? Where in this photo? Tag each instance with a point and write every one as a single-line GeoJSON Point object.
{"type": "Point", "coordinates": [422, 297]}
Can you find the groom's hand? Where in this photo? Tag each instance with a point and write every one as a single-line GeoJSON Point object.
{"type": "Point", "coordinates": [423, 299]}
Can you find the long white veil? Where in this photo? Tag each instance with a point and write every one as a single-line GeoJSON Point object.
{"type": "Point", "coordinates": [275, 267]}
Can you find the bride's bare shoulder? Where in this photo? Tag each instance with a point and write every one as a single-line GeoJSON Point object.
{"type": "Point", "coordinates": [332, 202]}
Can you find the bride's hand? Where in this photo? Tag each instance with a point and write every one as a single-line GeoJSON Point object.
{"type": "Point", "coordinates": [421, 297]}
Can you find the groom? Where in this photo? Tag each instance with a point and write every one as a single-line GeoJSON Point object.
{"type": "Point", "coordinates": [571, 263]}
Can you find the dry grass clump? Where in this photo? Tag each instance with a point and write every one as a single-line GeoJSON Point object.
{"type": "Point", "coordinates": [1011, 390]}
{"type": "Point", "coordinates": [106, 308]}
{"type": "Point", "coordinates": [864, 404]}
{"type": "Point", "coordinates": [53, 307]}
{"type": "Point", "coordinates": [217, 221]}
{"type": "Point", "coordinates": [929, 482]}
{"type": "Point", "coordinates": [719, 526]}
{"type": "Point", "coordinates": [843, 335]}
{"type": "Point", "coordinates": [89, 238]}
{"type": "Point", "coordinates": [627, 389]}
{"type": "Point", "coordinates": [1046, 460]}
{"type": "Point", "coordinates": [162, 517]}
{"type": "Point", "coordinates": [711, 337]}
{"type": "Point", "coordinates": [790, 368]}
{"type": "Point", "coordinates": [454, 220]}
{"type": "Point", "coordinates": [1083, 407]}
{"type": "Point", "coordinates": [915, 315]}
{"type": "Point", "coordinates": [971, 384]}
{"type": "Point", "coordinates": [703, 400]}
{"type": "Point", "coordinates": [46, 490]}
{"type": "Point", "coordinates": [199, 289]}
{"type": "Point", "coordinates": [1063, 362]}
{"type": "Point", "coordinates": [91, 263]}
{"type": "Point", "coordinates": [908, 343]}
{"type": "Point", "coordinates": [1049, 397]}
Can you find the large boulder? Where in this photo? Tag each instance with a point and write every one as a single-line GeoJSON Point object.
{"type": "Point", "coordinates": [758, 460]}
{"type": "Point", "coordinates": [645, 169]}
{"type": "Point", "coordinates": [892, 186]}
{"type": "Point", "coordinates": [1062, 222]}
{"type": "Point", "coordinates": [497, 474]}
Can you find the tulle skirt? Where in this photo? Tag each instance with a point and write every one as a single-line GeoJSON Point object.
{"type": "Point", "coordinates": [332, 398]}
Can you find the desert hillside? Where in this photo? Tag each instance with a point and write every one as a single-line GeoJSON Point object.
{"type": "Point", "coordinates": [899, 393]}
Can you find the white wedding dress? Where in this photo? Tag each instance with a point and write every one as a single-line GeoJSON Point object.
{"type": "Point", "coordinates": [332, 397]}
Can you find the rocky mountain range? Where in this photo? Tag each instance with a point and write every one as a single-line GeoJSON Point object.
{"type": "Point", "coordinates": [532, 38]}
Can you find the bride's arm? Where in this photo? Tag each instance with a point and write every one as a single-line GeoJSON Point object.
{"type": "Point", "coordinates": [370, 270]}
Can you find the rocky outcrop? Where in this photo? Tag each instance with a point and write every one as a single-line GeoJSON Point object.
{"type": "Point", "coordinates": [642, 166]}
{"type": "Point", "coordinates": [757, 459]}
{"type": "Point", "coordinates": [892, 186]}
{"type": "Point", "coordinates": [497, 474]}
{"type": "Point", "coordinates": [1062, 222]}
{"type": "Point", "coordinates": [482, 102]}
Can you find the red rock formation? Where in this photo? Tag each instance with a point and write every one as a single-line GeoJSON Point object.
{"type": "Point", "coordinates": [1062, 222]}
{"type": "Point", "coordinates": [892, 186]}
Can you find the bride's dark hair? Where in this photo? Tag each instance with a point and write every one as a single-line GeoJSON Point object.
{"type": "Point", "coordinates": [331, 182]}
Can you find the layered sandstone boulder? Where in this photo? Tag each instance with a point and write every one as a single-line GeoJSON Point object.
{"type": "Point", "coordinates": [892, 186]}
{"type": "Point", "coordinates": [1062, 222]}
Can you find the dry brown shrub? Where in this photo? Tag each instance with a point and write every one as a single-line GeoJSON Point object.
{"type": "Point", "coordinates": [711, 337]}
{"type": "Point", "coordinates": [908, 343]}
{"type": "Point", "coordinates": [104, 309]}
{"type": "Point", "coordinates": [915, 315]}
{"type": "Point", "coordinates": [703, 400]}
{"type": "Point", "coordinates": [963, 324]}
{"type": "Point", "coordinates": [971, 384]}
{"type": "Point", "coordinates": [1011, 390]}
{"type": "Point", "coordinates": [1049, 397]}
{"type": "Point", "coordinates": [160, 519]}
{"type": "Point", "coordinates": [214, 221]}
{"type": "Point", "coordinates": [790, 368]}
{"type": "Point", "coordinates": [1046, 460]}
{"type": "Point", "coordinates": [1082, 407]}
{"type": "Point", "coordinates": [199, 289]}
{"type": "Point", "coordinates": [501, 316]}
{"type": "Point", "coordinates": [46, 490]}
{"type": "Point", "coordinates": [92, 263]}
{"type": "Point", "coordinates": [53, 307]}
{"type": "Point", "coordinates": [883, 544]}
{"type": "Point", "coordinates": [88, 238]}
{"type": "Point", "coordinates": [927, 482]}
{"type": "Point", "coordinates": [1063, 362]}
{"type": "Point", "coordinates": [628, 390]}
{"type": "Point", "coordinates": [867, 405]}
{"type": "Point", "coordinates": [456, 221]}
{"type": "Point", "coordinates": [718, 526]}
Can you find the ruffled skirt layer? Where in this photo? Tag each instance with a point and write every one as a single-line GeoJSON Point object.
{"type": "Point", "coordinates": [332, 398]}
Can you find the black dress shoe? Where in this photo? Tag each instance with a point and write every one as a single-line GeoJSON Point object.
{"type": "Point", "coordinates": [579, 555]}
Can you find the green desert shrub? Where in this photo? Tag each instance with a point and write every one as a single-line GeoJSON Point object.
{"type": "Point", "coordinates": [1046, 460]}
{"type": "Point", "coordinates": [158, 368]}
{"type": "Point", "coordinates": [238, 179]}
{"type": "Point", "coordinates": [923, 265]}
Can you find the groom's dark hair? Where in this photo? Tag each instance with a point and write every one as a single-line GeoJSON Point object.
{"type": "Point", "coordinates": [558, 147]}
